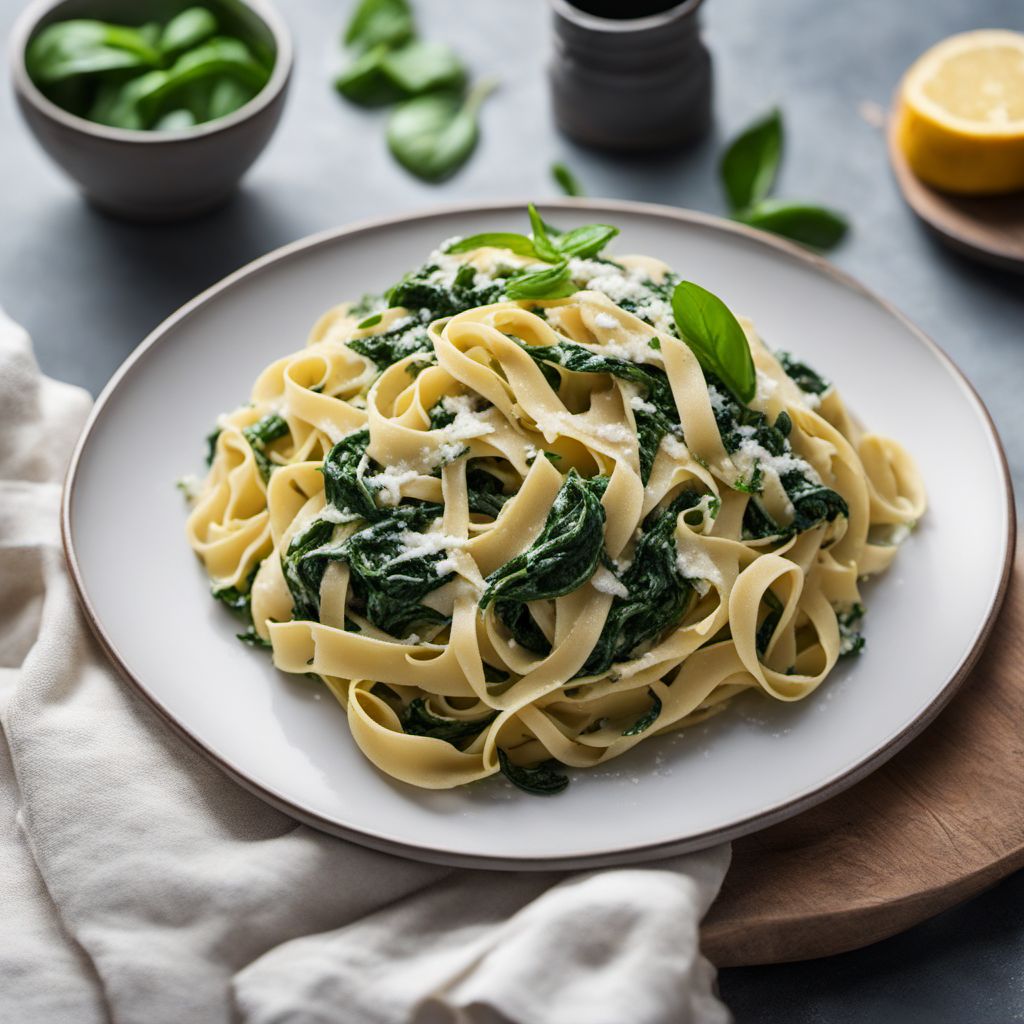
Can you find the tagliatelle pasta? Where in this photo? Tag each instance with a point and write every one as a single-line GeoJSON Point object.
{"type": "Point", "coordinates": [512, 533]}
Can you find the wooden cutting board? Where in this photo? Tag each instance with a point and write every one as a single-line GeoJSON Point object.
{"type": "Point", "coordinates": [939, 823]}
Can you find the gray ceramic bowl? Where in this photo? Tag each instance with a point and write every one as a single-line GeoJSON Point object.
{"type": "Point", "coordinates": [155, 175]}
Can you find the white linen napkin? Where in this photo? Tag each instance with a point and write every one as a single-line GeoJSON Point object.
{"type": "Point", "coordinates": [142, 885]}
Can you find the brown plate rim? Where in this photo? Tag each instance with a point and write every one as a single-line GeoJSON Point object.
{"type": "Point", "coordinates": [752, 823]}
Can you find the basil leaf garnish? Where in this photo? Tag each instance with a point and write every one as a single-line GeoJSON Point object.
{"type": "Point", "coordinates": [707, 325]}
{"type": "Point", "coordinates": [553, 282]}
{"type": "Point", "coordinates": [546, 249]}
{"type": "Point", "coordinates": [519, 244]}
{"type": "Point", "coordinates": [750, 164]}
{"type": "Point", "coordinates": [586, 241]}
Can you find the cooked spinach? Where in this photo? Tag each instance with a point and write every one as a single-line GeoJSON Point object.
{"type": "Point", "coordinates": [385, 581]}
{"type": "Point", "coordinates": [427, 295]}
{"type": "Point", "coordinates": [418, 720]}
{"type": "Point", "coordinates": [389, 585]}
{"type": "Point", "coordinates": [522, 626]}
{"type": "Point", "coordinates": [394, 344]}
{"type": "Point", "coordinates": [658, 594]}
{"type": "Point", "coordinates": [303, 565]}
{"type": "Point", "coordinates": [651, 426]}
{"type": "Point", "coordinates": [486, 493]}
{"type": "Point", "coordinates": [769, 623]}
{"type": "Point", "coordinates": [239, 602]}
{"type": "Point", "coordinates": [263, 432]}
{"type": "Point", "coordinates": [708, 326]}
{"type": "Point", "coordinates": [646, 720]}
{"type": "Point", "coordinates": [802, 375]}
{"type": "Point", "coordinates": [851, 640]}
{"type": "Point", "coordinates": [544, 779]}
{"type": "Point", "coordinates": [564, 555]}
{"type": "Point", "coordinates": [211, 445]}
{"type": "Point", "coordinates": [344, 486]}
{"type": "Point", "coordinates": [813, 503]}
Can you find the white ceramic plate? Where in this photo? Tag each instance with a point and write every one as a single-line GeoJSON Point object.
{"type": "Point", "coordinates": [287, 739]}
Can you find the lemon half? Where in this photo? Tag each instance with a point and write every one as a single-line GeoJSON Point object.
{"type": "Point", "coordinates": [961, 113]}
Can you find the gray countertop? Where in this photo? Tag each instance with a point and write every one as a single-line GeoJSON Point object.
{"type": "Point", "coordinates": [89, 289]}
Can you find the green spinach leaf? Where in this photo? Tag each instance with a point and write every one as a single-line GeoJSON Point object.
{"type": "Point", "coordinates": [432, 136]}
{"type": "Point", "coordinates": [802, 375]}
{"type": "Point", "coordinates": [645, 721]}
{"type": "Point", "coordinates": [84, 46]}
{"type": "Point", "coordinates": [544, 779]}
{"type": "Point", "coordinates": [519, 244]}
{"type": "Point", "coordinates": [418, 720]}
{"type": "Point", "coordinates": [191, 27]}
{"type": "Point", "coordinates": [564, 555]}
{"type": "Point", "coordinates": [657, 593]}
{"type": "Point", "coordinates": [262, 433]}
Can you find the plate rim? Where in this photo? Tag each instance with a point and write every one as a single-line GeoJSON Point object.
{"type": "Point", "coordinates": [804, 800]}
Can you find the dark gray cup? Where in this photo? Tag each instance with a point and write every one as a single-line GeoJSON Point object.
{"type": "Point", "coordinates": [630, 83]}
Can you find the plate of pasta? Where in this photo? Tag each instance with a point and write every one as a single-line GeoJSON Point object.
{"type": "Point", "coordinates": [515, 547]}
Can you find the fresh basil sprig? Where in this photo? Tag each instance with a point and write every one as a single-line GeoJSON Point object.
{"type": "Point", "coordinates": [714, 335]}
{"type": "Point", "coordinates": [566, 180]}
{"type": "Point", "coordinates": [432, 136]}
{"type": "Point", "coordinates": [546, 244]}
{"type": "Point", "coordinates": [554, 282]}
{"type": "Point", "coordinates": [748, 171]}
{"type": "Point", "coordinates": [519, 244]}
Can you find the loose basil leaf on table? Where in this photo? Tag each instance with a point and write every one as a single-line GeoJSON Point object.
{"type": "Point", "coordinates": [190, 28]}
{"type": "Point", "coordinates": [816, 226]}
{"type": "Point", "coordinates": [750, 164]}
{"type": "Point", "coordinates": [714, 335]}
{"type": "Point", "coordinates": [82, 46]}
{"type": "Point", "coordinates": [432, 136]}
{"type": "Point", "coordinates": [566, 180]}
{"type": "Point", "coordinates": [380, 21]}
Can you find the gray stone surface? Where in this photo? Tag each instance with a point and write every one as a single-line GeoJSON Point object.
{"type": "Point", "coordinates": [89, 289]}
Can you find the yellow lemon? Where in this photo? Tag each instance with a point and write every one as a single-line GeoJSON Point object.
{"type": "Point", "coordinates": [961, 113]}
